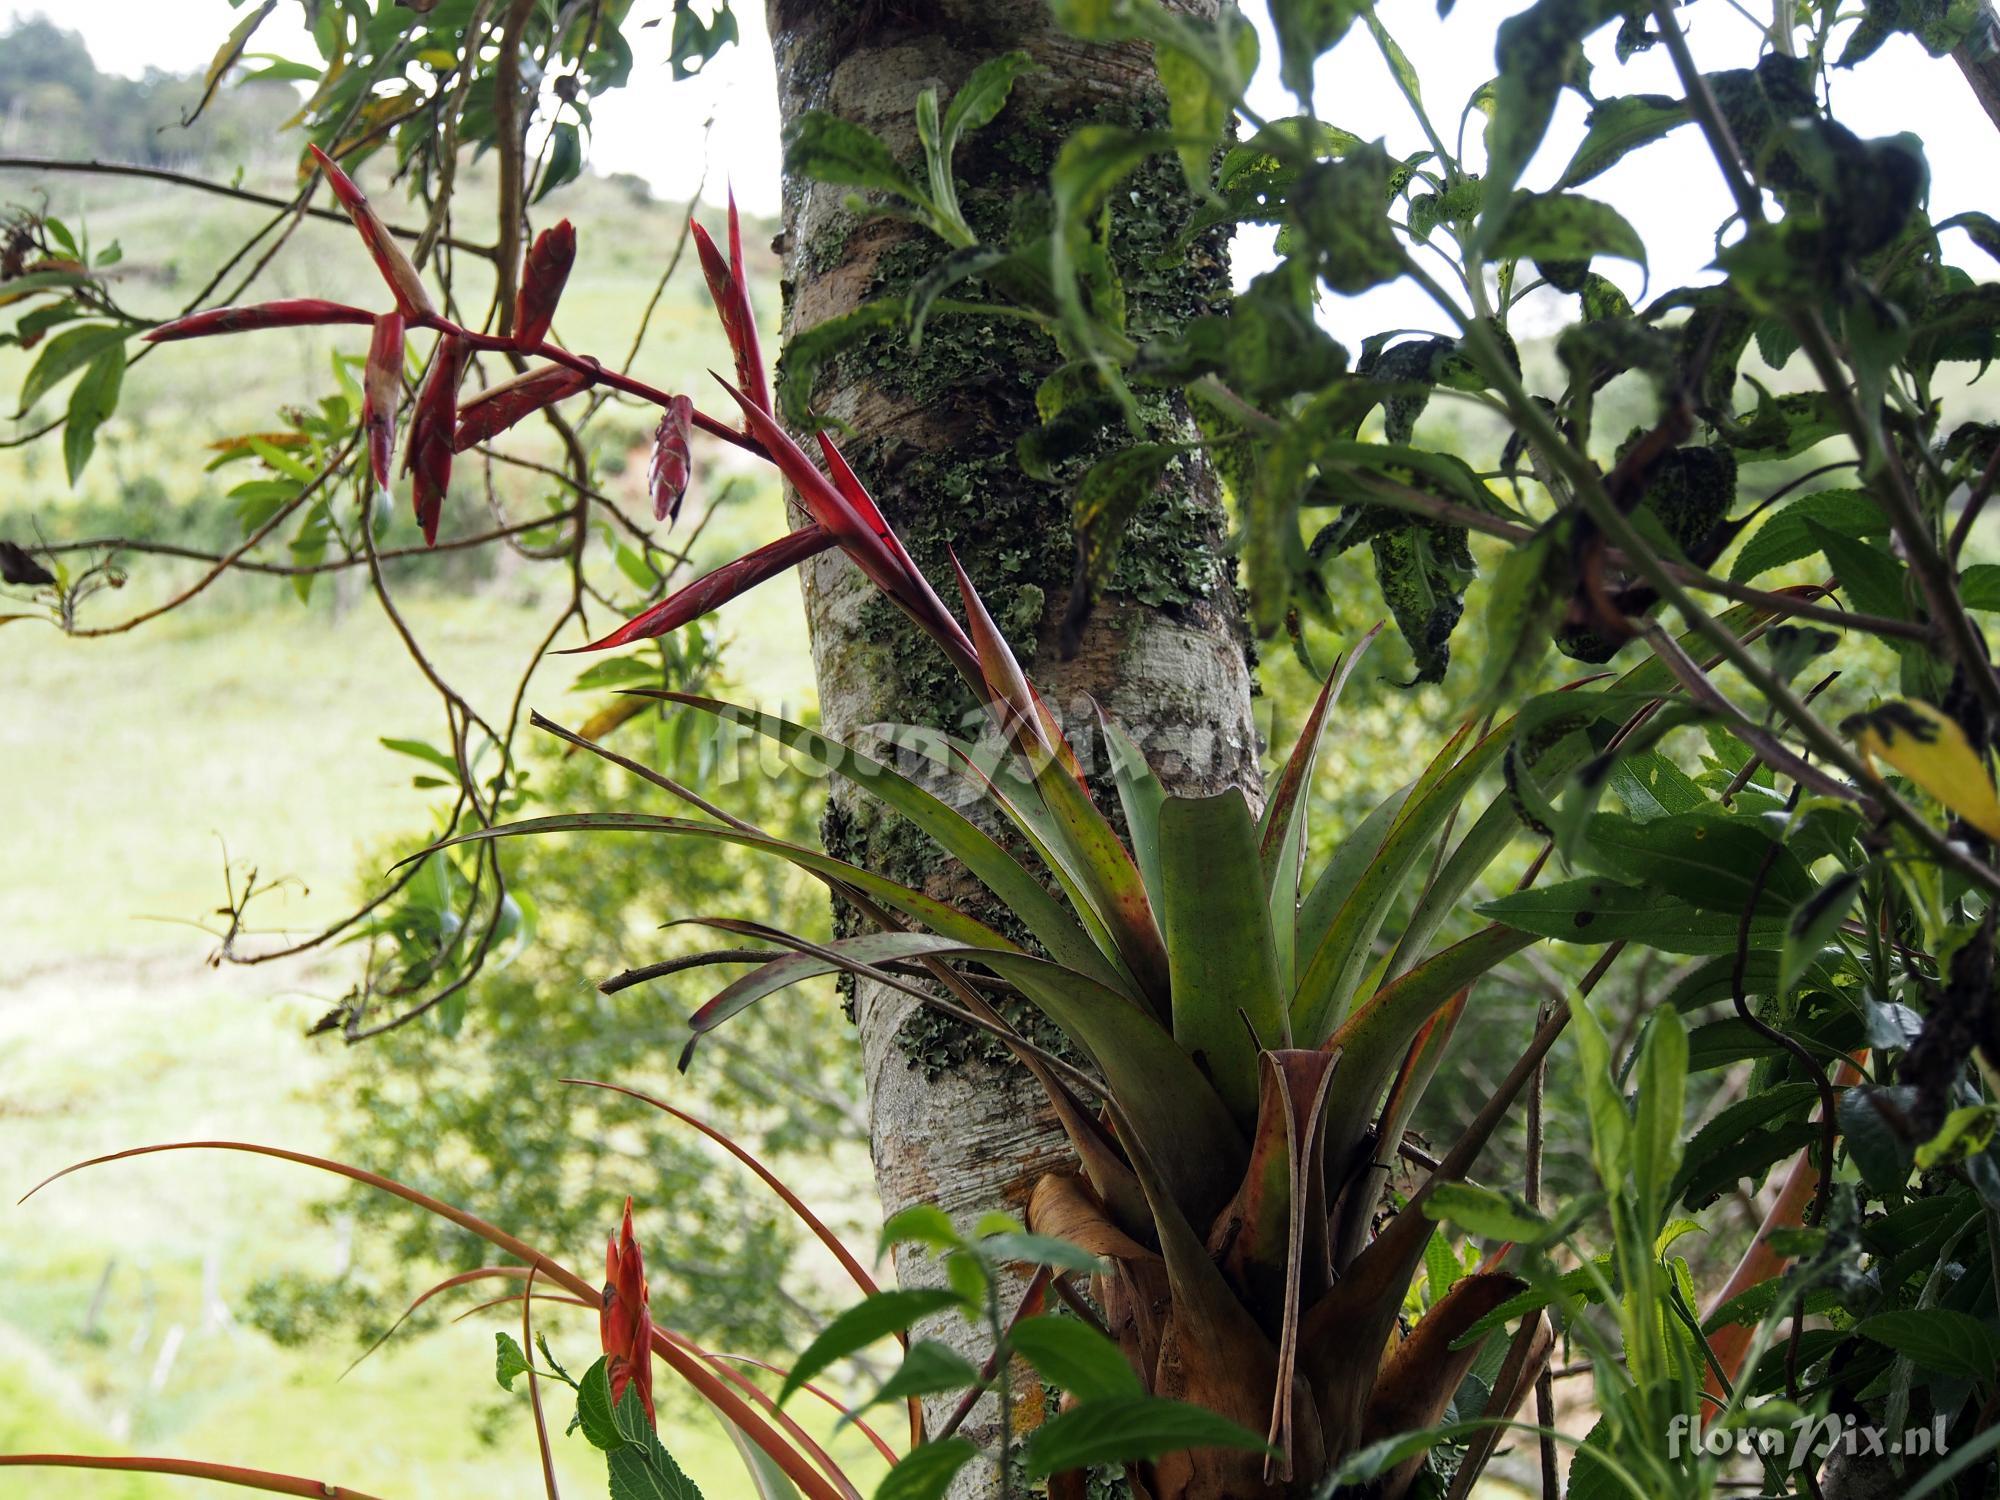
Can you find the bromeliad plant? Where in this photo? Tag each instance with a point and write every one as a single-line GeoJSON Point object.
{"type": "Point", "coordinates": [1243, 1048]}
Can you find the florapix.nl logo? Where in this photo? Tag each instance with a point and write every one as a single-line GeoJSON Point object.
{"type": "Point", "coordinates": [1803, 1438]}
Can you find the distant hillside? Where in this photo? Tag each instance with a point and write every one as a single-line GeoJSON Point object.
{"type": "Point", "coordinates": [55, 102]}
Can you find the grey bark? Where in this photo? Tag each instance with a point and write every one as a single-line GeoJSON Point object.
{"type": "Point", "coordinates": [1164, 653]}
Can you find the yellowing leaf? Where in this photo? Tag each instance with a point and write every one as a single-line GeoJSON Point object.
{"type": "Point", "coordinates": [601, 723]}
{"type": "Point", "coordinates": [1933, 752]}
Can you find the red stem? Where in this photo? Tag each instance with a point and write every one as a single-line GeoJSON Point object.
{"type": "Point", "coordinates": [497, 344]}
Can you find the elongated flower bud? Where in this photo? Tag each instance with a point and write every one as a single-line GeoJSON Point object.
{"type": "Point", "coordinates": [626, 1323]}
{"type": "Point", "coordinates": [729, 286]}
{"type": "Point", "coordinates": [499, 407]}
{"type": "Point", "coordinates": [713, 590]}
{"type": "Point", "coordinates": [296, 312]}
{"type": "Point", "coordinates": [542, 276]}
{"type": "Point", "coordinates": [381, 393]}
{"type": "Point", "coordinates": [667, 476]}
{"type": "Point", "coordinates": [395, 266]}
{"type": "Point", "coordinates": [428, 456]}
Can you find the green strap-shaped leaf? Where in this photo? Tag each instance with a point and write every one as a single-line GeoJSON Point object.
{"type": "Point", "coordinates": [1281, 833]}
{"type": "Point", "coordinates": [1140, 795]}
{"type": "Point", "coordinates": [1227, 1006]}
{"type": "Point", "coordinates": [1373, 1040]}
{"type": "Point", "coordinates": [939, 916]}
{"type": "Point", "coordinates": [796, 968]}
{"type": "Point", "coordinates": [1335, 966]}
{"type": "Point", "coordinates": [1025, 896]}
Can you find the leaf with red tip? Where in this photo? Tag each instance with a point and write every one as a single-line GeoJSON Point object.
{"type": "Point", "coordinates": [672, 466]}
{"type": "Point", "coordinates": [1093, 853]}
{"type": "Point", "coordinates": [542, 276]}
{"type": "Point", "coordinates": [713, 590]}
{"type": "Point", "coordinates": [499, 407]}
{"type": "Point", "coordinates": [730, 289]}
{"type": "Point", "coordinates": [395, 266]}
{"type": "Point", "coordinates": [428, 456]}
{"type": "Point", "coordinates": [292, 312]}
{"type": "Point", "coordinates": [381, 393]}
{"type": "Point", "coordinates": [886, 566]}
{"type": "Point", "coordinates": [856, 494]}
{"type": "Point", "coordinates": [1008, 695]}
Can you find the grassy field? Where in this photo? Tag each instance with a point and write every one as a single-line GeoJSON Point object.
{"type": "Point", "coordinates": [248, 723]}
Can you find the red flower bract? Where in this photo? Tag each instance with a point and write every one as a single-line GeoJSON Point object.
{"type": "Point", "coordinates": [389, 258]}
{"type": "Point", "coordinates": [730, 288]}
{"type": "Point", "coordinates": [713, 590]}
{"type": "Point", "coordinates": [626, 1323]}
{"type": "Point", "coordinates": [542, 277]}
{"type": "Point", "coordinates": [381, 392]}
{"type": "Point", "coordinates": [294, 312]}
{"type": "Point", "coordinates": [667, 476]}
{"type": "Point", "coordinates": [499, 407]}
{"type": "Point", "coordinates": [428, 458]}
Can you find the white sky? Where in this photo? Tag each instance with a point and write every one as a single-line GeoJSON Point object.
{"type": "Point", "coordinates": [1670, 191]}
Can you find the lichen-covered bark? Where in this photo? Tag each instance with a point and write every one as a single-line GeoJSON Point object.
{"type": "Point", "coordinates": [953, 1122]}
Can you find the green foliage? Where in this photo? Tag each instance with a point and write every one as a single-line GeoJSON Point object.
{"type": "Point", "coordinates": [467, 1102]}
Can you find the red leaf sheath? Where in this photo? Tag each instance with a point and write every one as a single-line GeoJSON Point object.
{"type": "Point", "coordinates": [428, 456]}
{"type": "Point", "coordinates": [381, 393]}
{"type": "Point", "coordinates": [542, 277]}
{"type": "Point", "coordinates": [296, 312]}
{"type": "Point", "coordinates": [730, 287]}
{"type": "Point", "coordinates": [667, 476]}
{"type": "Point", "coordinates": [499, 407]}
{"type": "Point", "coordinates": [626, 1322]}
{"type": "Point", "coordinates": [389, 258]}
{"type": "Point", "coordinates": [713, 590]}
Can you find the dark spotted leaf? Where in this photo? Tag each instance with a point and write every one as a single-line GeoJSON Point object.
{"type": "Point", "coordinates": [1786, 536]}
{"type": "Point", "coordinates": [1537, 52]}
{"type": "Point", "coordinates": [826, 148]}
{"type": "Point", "coordinates": [1602, 911]}
{"type": "Point", "coordinates": [1307, 28]}
{"type": "Point", "coordinates": [1562, 226]}
{"type": "Point", "coordinates": [1617, 127]}
{"type": "Point", "coordinates": [1342, 208]}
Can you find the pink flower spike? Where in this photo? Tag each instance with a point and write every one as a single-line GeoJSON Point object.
{"type": "Point", "coordinates": [543, 274]}
{"type": "Point", "coordinates": [499, 407]}
{"type": "Point", "coordinates": [382, 393]}
{"type": "Point", "coordinates": [672, 466]}
{"type": "Point", "coordinates": [626, 1320]}
{"type": "Point", "coordinates": [713, 590]}
{"type": "Point", "coordinates": [395, 266]}
{"type": "Point", "coordinates": [296, 312]}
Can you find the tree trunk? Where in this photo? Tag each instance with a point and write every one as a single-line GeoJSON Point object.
{"type": "Point", "coordinates": [954, 1122]}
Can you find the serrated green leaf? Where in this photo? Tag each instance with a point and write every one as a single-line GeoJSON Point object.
{"type": "Point", "coordinates": [863, 1324]}
{"type": "Point", "coordinates": [508, 1360]}
{"type": "Point", "coordinates": [927, 1471]}
{"type": "Point", "coordinates": [1617, 127]}
{"type": "Point", "coordinates": [1128, 1429]}
{"type": "Point", "coordinates": [1074, 1358]}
